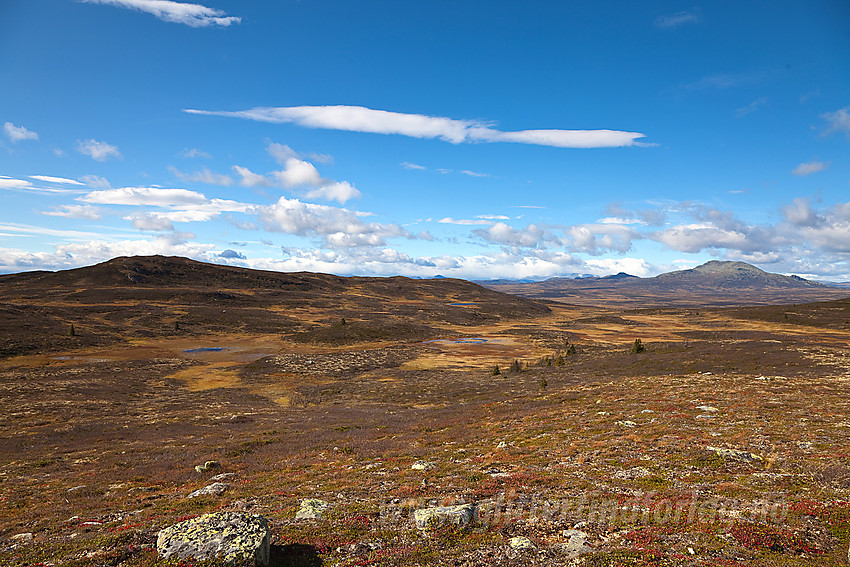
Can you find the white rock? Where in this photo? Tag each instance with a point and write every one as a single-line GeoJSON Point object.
{"type": "Point", "coordinates": [520, 542]}
{"type": "Point", "coordinates": [311, 509]}
{"type": "Point", "coordinates": [226, 536]}
{"type": "Point", "coordinates": [423, 466]}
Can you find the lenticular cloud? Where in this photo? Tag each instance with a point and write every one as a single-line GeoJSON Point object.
{"type": "Point", "coordinates": [362, 119]}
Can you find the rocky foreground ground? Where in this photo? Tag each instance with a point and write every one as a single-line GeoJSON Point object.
{"type": "Point", "coordinates": [723, 442]}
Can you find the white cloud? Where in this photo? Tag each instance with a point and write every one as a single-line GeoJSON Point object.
{"type": "Point", "coordinates": [340, 191]}
{"type": "Point", "coordinates": [750, 108]}
{"type": "Point", "coordinates": [298, 173]}
{"type": "Point", "coordinates": [152, 196]}
{"type": "Point", "coordinates": [809, 168]}
{"type": "Point", "coordinates": [337, 227]}
{"type": "Point", "coordinates": [474, 173]}
{"type": "Point", "coordinates": [51, 179]}
{"type": "Point", "coordinates": [500, 233]}
{"type": "Point", "coordinates": [18, 133]}
{"type": "Point", "coordinates": [492, 217]}
{"type": "Point", "coordinates": [634, 266]}
{"type": "Point", "coordinates": [249, 178]}
{"type": "Point", "coordinates": [99, 151]}
{"type": "Point", "coordinates": [95, 181]}
{"type": "Point", "coordinates": [800, 213]}
{"type": "Point", "coordinates": [361, 119]}
{"type": "Point", "coordinates": [150, 222]}
{"type": "Point", "coordinates": [203, 176]}
{"type": "Point", "coordinates": [678, 19]}
{"type": "Point", "coordinates": [599, 238]}
{"type": "Point", "coordinates": [838, 121]}
{"type": "Point", "coordinates": [75, 212]}
{"type": "Point", "coordinates": [408, 165]}
{"type": "Point", "coordinates": [193, 15]}
{"type": "Point", "coordinates": [450, 220]}
{"type": "Point", "coordinates": [195, 153]}
{"type": "Point", "coordinates": [10, 183]}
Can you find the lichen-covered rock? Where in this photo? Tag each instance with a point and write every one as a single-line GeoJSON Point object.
{"type": "Point", "coordinates": [459, 515]}
{"type": "Point", "coordinates": [311, 509]}
{"type": "Point", "coordinates": [208, 466]}
{"type": "Point", "coordinates": [423, 466]}
{"type": "Point", "coordinates": [520, 542]}
{"type": "Point", "coordinates": [214, 489]}
{"type": "Point", "coordinates": [735, 454]}
{"type": "Point", "coordinates": [224, 536]}
{"type": "Point", "coordinates": [577, 544]}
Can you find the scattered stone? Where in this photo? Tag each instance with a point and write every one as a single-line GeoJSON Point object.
{"type": "Point", "coordinates": [311, 509]}
{"type": "Point", "coordinates": [223, 476]}
{"type": "Point", "coordinates": [577, 544]}
{"type": "Point", "coordinates": [520, 542]}
{"type": "Point", "coordinates": [209, 465]}
{"type": "Point", "coordinates": [76, 488]}
{"type": "Point", "coordinates": [225, 536]}
{"type": "Point", "coordinates": [704, 416]}
{"type": "Point", "coordinates": [423, 466]}
{"type": "Point", "coordinates": [214, 489]}
{"type": "Point", "coordinates": [633, 473]}
{"type": "Point", "coordinates": [459, 515]}
{"type": "Point", "coordinates": [627, 423]}
{"type": "Point", "coordinates": [23, 538]}
{"type": "Point", "coordinates": [707, 408]}
{"type": "Point", "coordinates": [501, 445]}
{"type": "Point", "coordinates": [735, 454]}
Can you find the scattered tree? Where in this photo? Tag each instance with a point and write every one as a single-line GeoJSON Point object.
{"type": "Point", "coordinates": [543, 383]}
{"type": "Point", "coordinates": [72, 332]}
{"type": "Point", "coordinates": [571, 350]}
{"type": "Point", "coordinates": [496, 371]}
{"type": "Point", "coordinates": [638, 346]}
{"type": "Point", "coordinates": [559, 361]}
{"type": "Point", "coordinates": [516, 366]}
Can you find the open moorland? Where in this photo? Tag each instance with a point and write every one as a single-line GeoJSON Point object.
{"type": "Point", "coordinates": [721, 439]}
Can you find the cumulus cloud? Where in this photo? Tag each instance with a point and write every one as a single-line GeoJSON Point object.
{"type": "Point", "coordinates": [838, 121]}
{"type": "Point", "coordinates": [18, 133]}
{"type": "Point", "coordinates": [800, 213]}
{"type": "Point", "coordinates": [809, 168]}
{"type": "Point", "coordinates": [75, 212]}
{"type": "Point", "coordinates": [249, 178]}
{"type": "Point", "coordinates": [336, 227]}
{"type": "Point", "coordinates": [362, 119]}
{"type": "Point", "coordinates": [500, 233]}
{"type": "Point", "coordinates": [193, 15]}
{"type": "Point", "coordinates": [339, 191]}
{"type": "Point", "coordinates": [100, 151]}
{"type": "Point", "coordinates": [600, 238]}
{"type": "Point", "coordinates": [677, 19]}
{"type": "Point", "coordinates": [153, 223]}
{"type": "Point", "coordinates": [298, 173]}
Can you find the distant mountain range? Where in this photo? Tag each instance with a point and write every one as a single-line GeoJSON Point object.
{"type": "Point", "coordinates": [713, 283]}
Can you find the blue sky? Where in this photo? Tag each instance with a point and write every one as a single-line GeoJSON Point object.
{"type": "Point", "coordinates": [469, 139]}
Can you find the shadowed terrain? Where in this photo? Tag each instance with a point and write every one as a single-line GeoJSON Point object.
{"type": "Point", "coordinates": [317, 386]}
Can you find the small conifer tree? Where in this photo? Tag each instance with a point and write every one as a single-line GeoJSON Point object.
{"type": "Point", "coordinates": [638, 346]}
{"type": "Point", "coordinates": [516, 366]}
{"type": "Point", "coordinates": [496, 371]}
{"type": "Point", "coordinates": [72, 332]}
